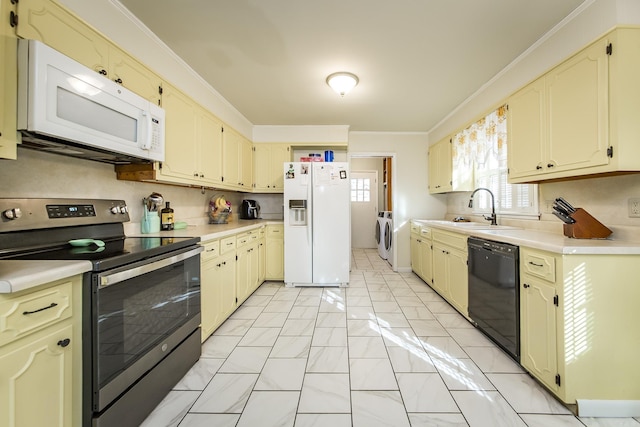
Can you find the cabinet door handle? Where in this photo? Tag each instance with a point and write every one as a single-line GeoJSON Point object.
{"type": "Point", "coordinates": [118, 80]}
{"type": "Point", "coordinates": [103, 72]}
{"type": "Point", "coordinates": [535, 265]}
{"type": "Point", "coordinates": [538, 167]}
{"type": "Point", "coordinates": [550, 165]}
{"type": "Point", "coordinates": [53, 304]}
{"type": "Point", "coordinates": [65, 342]}
{"type": "Point", "coordinates": [525, 286]}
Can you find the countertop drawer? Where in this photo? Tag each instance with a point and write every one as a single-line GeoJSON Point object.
{"type": "Point", "coordinates": [27, 313]}
{"type": "Point", "coordinates": [415, 228]}
{"type": "Point", "coordinates": [227, 245]}
{"type": "Point", "coordinates": [455, 240]}
{"type": "Point", "coordinates": [243, 239]}
{"type": "Point", "coordinates": [538, 264]}
{"type": "Point", "coordinates": [211, 250]}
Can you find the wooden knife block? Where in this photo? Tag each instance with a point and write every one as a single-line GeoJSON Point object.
{"type": "Point", "coordinates": [585, 227]}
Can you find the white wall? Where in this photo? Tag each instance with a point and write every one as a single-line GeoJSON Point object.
{"type": "Point", "coordinates": [410, 192]}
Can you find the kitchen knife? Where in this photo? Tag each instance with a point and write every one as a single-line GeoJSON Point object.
{"type": "Point", "coordinates": [564, 218]}
{"type": "Point", "coordinates": [566, 205]}
{"type": "Point", "coordinates": [559, 208]}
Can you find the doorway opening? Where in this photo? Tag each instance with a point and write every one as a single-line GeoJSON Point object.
{"type": "Point", "coordinates": [372, 177]}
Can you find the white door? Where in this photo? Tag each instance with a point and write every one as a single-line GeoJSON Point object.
{"type": "Point", "coordinates": [364, 209]}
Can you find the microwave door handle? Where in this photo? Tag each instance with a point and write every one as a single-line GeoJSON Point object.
{"type": "Point", "coordinates": [146, 144]}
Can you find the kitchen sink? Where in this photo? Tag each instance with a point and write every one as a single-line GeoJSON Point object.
{"type": "Point", "coordinates": [469, 225]}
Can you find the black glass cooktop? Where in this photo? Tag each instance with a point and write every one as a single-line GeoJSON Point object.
{"type": "Point", "coordinates": [116, 252]}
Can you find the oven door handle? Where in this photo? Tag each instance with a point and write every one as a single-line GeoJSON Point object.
{"type": "Point", "coordinates": [112, 279]}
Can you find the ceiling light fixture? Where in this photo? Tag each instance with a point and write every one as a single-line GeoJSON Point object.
{"type": "Point", "coordinates": [342, 82]}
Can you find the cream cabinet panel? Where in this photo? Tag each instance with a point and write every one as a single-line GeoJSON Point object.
{"type": "Point", "coordinates": [578, 113]}
{"type": "Point", "coordinates": [36, 380]}
{"type": "Point", "coordinates": [440, 269]}
{"type": "Point", "coordinates": [262, 259]}
{"type": "Point", "coordinates": [246, 164]}
{"type": "Point", "coordinates": [209, 157]}
{"type": "Point", "coordinates": [458, 281]}
{"type": "Point", "coordinates": [440, 167]}
{"type": "Point", "coordinates": [8, 88]}
{"type": "Point", "coordinates": [48, 22]}
{"type": "Point", "coordinates": [426, 261]}
{"type": "Point", "coordinates": [416, 259]}
{"type": "Point", "coordinates": [275, 252]}
{"type": "Point", "coordinates": [130, 73]}
{"type": "Point", "coordinates": [268, 160]}
{"type": "Point", "coordinates": [218, 291]}
{"type": "Point", "coordinates": [247, 272]}
{"type": "Point", "coordinates": [526, 130]}
{"type": "Point", "coordinates": [231, 149]}
{"type": "Point", "coordinates": [180, 136]}
{"type": "Point", "coordinates": [538, 330]}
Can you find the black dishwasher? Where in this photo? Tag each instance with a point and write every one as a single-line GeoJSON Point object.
{"type": "Point", "coordinates": [494, 292]}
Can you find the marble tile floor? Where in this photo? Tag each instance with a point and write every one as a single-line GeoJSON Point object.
{"type": "Point", "coordinates": [386, 351]}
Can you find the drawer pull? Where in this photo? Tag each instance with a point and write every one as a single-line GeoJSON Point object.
{"type": "Point", "coordinates": [65, 342]}
{"type": "Point", "coordinates": [53, 304]}
{"type": "Point", "coordinates": [525, 286]}
{"type": "Point", "coordinates": [535, 265]}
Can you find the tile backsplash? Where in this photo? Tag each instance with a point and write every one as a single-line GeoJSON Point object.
{"type": "Point", "coordinates": [605, 198]}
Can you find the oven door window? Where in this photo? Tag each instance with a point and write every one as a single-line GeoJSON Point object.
{"type": "Point", "coordinates": [139, 313]}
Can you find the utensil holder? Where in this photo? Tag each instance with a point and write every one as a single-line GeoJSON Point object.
{"type": "Point", "coordinates": [585, 227]}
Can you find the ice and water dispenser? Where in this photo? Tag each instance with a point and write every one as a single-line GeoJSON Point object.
{"type": "Point", "coordinates": [298, 212]}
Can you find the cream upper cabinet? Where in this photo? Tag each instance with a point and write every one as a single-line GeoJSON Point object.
{"type": "Point", "coordinates": [268, 169]}
{"type": "Point", "coordinates": [125, 70]}
{"type": "Point", "coordinates": [8, 88]}
{"type": "Point", "coordinates": [193, 142]}
{"type": "Point", "coordinates": [237, 153]}
{"type": "Point", "coordinates": [440, 167]}
{"type": "Point", "coordinates": [578, 118]}
{"type": "Point", "coordinates": [180, 136]}
{"type": "Point", "coordinates": [50, 23]}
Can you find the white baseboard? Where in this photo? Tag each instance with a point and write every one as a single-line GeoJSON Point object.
{"type": "Point", "coordinates": [608, 408]}
{"type": "Point", "coordinates": [404, 270]}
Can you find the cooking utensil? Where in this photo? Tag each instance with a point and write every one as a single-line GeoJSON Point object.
{"type": "Point", "coordinates": [154, 201]}
{"type": "Point", "coordinates": [86, 242]}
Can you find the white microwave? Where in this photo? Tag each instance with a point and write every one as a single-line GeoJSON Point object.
{"type": "Point", "coordinates": [67, 108]}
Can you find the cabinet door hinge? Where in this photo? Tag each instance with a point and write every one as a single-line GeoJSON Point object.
{"type": "Point", "coordinates": [555, 300]}
{"type": "Point", "coordinates": [236, 300]}
{"type": "Point", "coordinates": [236, 257]}
{"type": "Point", "coordinates": [253, 148]}
{"type": "Point", "coordinates": [610, 152]}
{"type": "Point", "coordinates": [609, 49]}
{"type": "Point", "coordinates": [558, 379]}
{"type": "Point", "coordinates": [160, 90]}
{"type": "Point", "coordinates": [13, 19]}
{"type": "Point", "coordinates": [222, 129]}
{"type": "Point", "coordinates": [160, 165]}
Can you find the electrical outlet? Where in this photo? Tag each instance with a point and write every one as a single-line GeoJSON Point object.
{"type": "Point", "coordinates": [634, 207]}
{"type": "Point", "coordinates": [548, 206]}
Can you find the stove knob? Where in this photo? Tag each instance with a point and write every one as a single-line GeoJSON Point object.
{"type": "Point", "coordinates": [123, 209]}
{"type": "Point", "coordinates": [115, 210]}
{"type": "Point", "coordinates": [14, 213]}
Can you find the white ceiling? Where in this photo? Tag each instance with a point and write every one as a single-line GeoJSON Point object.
{"type": "Point", "coordinates": [416, 59]}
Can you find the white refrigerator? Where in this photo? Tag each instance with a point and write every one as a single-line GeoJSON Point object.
{"type": "Point", "coordinates": [317, 229]}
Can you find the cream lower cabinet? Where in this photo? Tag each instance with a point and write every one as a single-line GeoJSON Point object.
{"type": "Point", "coordinates": [450, 269]}
{"type": "Point", "coordinates": [247, 268]}
{"type": "Point", "coordinates": [218, 287]}
{"type": "Point", "coordinates": [262, 255]}
{"type": "Point", "coordinates": [577, 313]}
{"type": "Point", "coordinates": [41, 356]}
{"type": "Point", "coordinates": [422, 252]}
{"type": "Point", "coordinates": [274, 263]}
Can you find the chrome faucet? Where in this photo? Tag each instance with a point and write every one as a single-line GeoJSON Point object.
{"type": "Point", "coordinates": [491, 217]}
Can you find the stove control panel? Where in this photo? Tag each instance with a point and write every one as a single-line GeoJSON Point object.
{"type": "Point", "coordinates": [70, 211]}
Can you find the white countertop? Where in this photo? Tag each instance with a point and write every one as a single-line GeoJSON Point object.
{"type": "Point", "coordinates": [542, 240]}
{"type": "Point", "coordinates": [18, 275]}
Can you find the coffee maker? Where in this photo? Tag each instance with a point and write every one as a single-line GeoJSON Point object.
{"type": "Point", "coordinates": [249, 209]}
